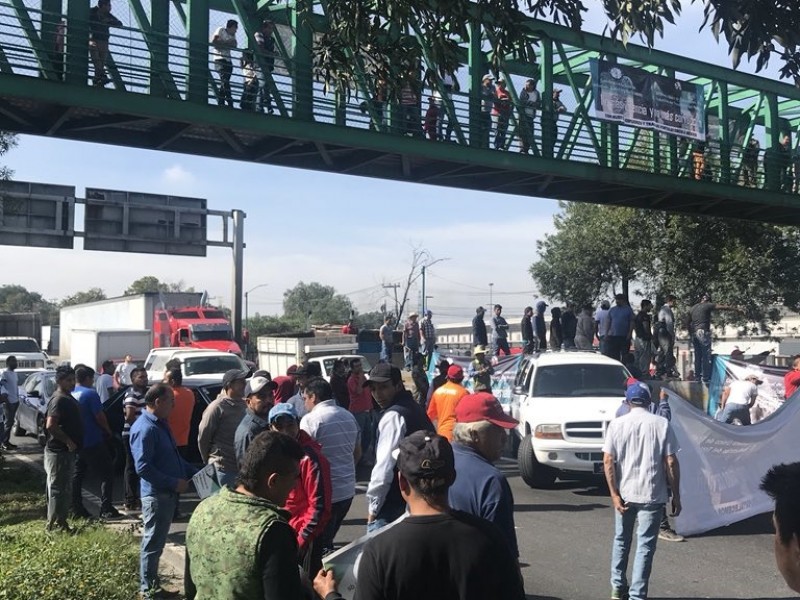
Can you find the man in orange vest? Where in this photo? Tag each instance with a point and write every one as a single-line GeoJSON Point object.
{"type": "Point", "coordinates": [442, 407]}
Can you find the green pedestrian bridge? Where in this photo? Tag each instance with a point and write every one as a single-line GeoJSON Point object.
{"type": "Point", "coordinates": [162, 95]}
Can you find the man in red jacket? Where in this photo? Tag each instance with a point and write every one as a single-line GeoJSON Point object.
{"type": "Point", "coordinates": [791, 381]}
{"type": "Point", "coordinates": [309, 503]}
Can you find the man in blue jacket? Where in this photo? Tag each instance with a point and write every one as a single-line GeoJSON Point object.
{"type": "Point", "coordinates": [163, 475]}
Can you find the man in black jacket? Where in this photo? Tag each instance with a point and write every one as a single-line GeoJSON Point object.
{"type": "Point", "coordinates": [526, 328]}
{"type": "Point", "coordinates": [400, 417]}
{"type": "Point", "coordinates": [479, 337]}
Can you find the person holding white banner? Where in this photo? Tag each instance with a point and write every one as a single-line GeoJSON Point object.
{"type": "Point", "coordinates": [639, 461]}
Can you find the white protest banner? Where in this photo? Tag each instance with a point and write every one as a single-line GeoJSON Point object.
{"type": "Point", "coordinates": [722, 465]}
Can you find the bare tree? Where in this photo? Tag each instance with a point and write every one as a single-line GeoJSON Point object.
{"type": "Point", "coordinates": [421, 259]}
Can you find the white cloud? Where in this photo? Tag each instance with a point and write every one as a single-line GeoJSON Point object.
{"type": "Point", "coordinates": [178, 176]}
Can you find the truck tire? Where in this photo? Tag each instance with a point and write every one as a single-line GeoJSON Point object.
{"type": "Point", "coordinates": [534, 474]}
{"type": "Point", "coordinates": [17, 430]}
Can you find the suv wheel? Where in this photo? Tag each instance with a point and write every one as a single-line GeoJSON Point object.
{"type": "Point", "coordinates": [17, 430]}
{"type": "Point", "coordinates": [533, 473]}
{"type": "Point", "coordinates": [41, 434]}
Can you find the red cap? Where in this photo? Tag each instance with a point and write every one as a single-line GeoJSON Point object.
{"type": "Point", "coordinates": [483, 407]}
{"type": "Point", "coordinates": [291, 370]}
{"type": "Point", "coordinates": [455, 372]}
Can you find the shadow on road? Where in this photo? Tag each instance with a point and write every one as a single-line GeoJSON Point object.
{"type": "Point", "coordinates": [535, 597]}
{"type": "Point", "coordinates": [758, 525]}
{"type": "Point", "coordinates": [558, 507]}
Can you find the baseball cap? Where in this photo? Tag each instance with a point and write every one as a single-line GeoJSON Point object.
{"type": "Point", "coordinates": [455, 372]}
{"type": "Point", "coordinates": [312, 369]}
{"type": "Point", "coordinates": [256, 384]}
{"type": "Point", "coordinates": [231, 376]}
{"type": "Point", "coordinates": [480, 309]}
{"type": "Point", "coordinates": [487, 77]}
{"type": "Point", "coordinates": [482, 406]}
{"type": "Point", "coordinates": [638, 393]}
{"type": "Point", "coordinates": [755, 378]}
{"type": "Point", "coordinates": [380, 373]}
{"type": "Point", "coordinates": [263, 373]}
{"type": "Point", "coordinates": [541, 305]}
{"type": "Point", "coordinates": [292, 370]}
{"type": "Point", "coordinates": [425, 455]}
{"type": "Point", "coordinates": [282, 409]}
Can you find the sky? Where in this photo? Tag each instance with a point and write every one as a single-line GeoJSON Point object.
{"type": "Point", "coordinates": [355, 234]}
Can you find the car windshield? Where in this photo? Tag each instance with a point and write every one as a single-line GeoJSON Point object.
{"type": "Point", "coordinates": [580, 380]}
{"type": "Point", "coordinates": [207, 365]}
{"type": "Point", "coordinates": [8, 346]}
{"type": "Point", "coordinates": [327, 364]}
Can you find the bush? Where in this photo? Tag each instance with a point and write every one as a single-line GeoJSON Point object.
{"type": "Point", "coordinates": [95, 564]}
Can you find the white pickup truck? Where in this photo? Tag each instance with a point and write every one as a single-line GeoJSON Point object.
{"type": "Point", "coordinates": [202, 366]}
{"type": "Point", "coordinates": [564, 402]}
{"type": "Point", "coordinates": [27, 352]}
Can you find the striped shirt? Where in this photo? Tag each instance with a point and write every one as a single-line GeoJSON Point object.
{"type": "Point", "coordinates": [336, 430]}
{"type": "Point", "coordinates": [135, 400]}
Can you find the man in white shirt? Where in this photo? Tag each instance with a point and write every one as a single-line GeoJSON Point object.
{"type": "Point", "coordinates": [104, 383]}
{"type": "Point", "coordinates": [337, 431]}
{"type": "Point", "coordinates": [122, 374]}
{"type": "Point", "coordinates": [601, 323]}
{"type": "Point", "coordinates": [737, 400]}
{"type": "Point", "coordinates": [222, 41]}
{"type": "Point", "coordinates": [9, 396]}
{"type": "Point", "coordinates": [664, 335]}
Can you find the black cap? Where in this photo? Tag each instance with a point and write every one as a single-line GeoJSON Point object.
{"type": "Point", "coordinates": [380, 373]}
{"type": "Point", "coordinates": [425, 455]}
{"type": "Point", "coordinates": [312, 369]}
{"type": "Point", "coordinates": [231, 376]}
{"type": "Point", "coordinates": [263, 373]}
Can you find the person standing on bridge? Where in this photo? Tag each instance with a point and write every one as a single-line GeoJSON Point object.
{"type": "Point", "coordinates": [265, 43]}
{"type": "Point", "coordinates": [501, 113]}
{"type": "Point", "coordinates": [499, 333]}
{"type": "Point", "coordinates": [750, 163]}
{"type": "Point", "coordinates": [222, 41]}
{"type": "Point", "coordinates": [529, 102]}
{"type": "Point", "coordinates": [487, 96]}
{"type": "Point", "coordinates": [639, 459]}
{"type": "Point", "coordinates": [100, 20]}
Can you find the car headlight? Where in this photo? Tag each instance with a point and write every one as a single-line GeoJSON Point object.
{"type": "Point", "coordinates": [548, 432]}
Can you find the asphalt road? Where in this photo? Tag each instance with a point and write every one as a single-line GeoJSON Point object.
{"type": "Point", "coordinates": [565, 545]}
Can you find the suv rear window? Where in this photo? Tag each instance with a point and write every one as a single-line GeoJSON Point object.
{"type": "Point", "coordinates": [580, 380]}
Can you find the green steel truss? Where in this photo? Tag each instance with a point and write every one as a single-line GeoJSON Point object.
{"type": "Point", "coordinates": [163, 89]}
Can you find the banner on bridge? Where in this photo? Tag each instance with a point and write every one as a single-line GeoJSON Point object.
{"type": "Point", "coordinates": [624, 94]}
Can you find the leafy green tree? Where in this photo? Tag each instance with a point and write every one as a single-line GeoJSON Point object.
{"type": "Point", "coordinates": [16, 298]}
{"type": "Point", "coordinates": [321, 301]}
{"type": "Point", "coordinates": [597, 250]}
{"type": "Point", "coordinates": [7, 142]}
{"type": "Point", "coordinates": [271, 325]}
{"type": "Point", "coordinates": [383, 35]}
{"type": "Point", "coordinates": [82, 297]}
{"type": "Point", "coordinates": [150, 284]}
{"type": "Point", "coordinates": [369, 320]}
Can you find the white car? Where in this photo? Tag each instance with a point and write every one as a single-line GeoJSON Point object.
{"type": "Point", "coordinates": [326, 363]}
{"type": "Point", "coordinates": [202, 366]}
{"type": "Point", "coordinates": [564, 402]}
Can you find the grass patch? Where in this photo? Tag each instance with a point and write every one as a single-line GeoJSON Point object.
{"type": "Point", "coordinates": [94, 564]}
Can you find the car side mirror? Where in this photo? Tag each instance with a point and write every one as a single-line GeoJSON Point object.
{"type": "Point", "coordinates": [519, 390]}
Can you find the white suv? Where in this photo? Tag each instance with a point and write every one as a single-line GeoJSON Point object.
{"type": "Point", "coordinates": [564, 402]}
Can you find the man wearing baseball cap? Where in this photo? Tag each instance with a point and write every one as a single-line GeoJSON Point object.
{"type": "Point", "coordinates": [217, 432]}
{"type": "Point", "coordinates": [435, 552]}
{"type": "Point", "coordinates": [401, 416]}
{"type": "Point", "coordinates": [309, 503]}
{"type": "Point", "coordinates": [481, 489]}
{"type": "Point", "coordinates": [639, 461]}
{"type": "Point", "coordinates": [442, 407]}
{"type": "Point", "coordinates": [259, 397]}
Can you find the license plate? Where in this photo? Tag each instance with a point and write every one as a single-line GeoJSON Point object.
{"type": "Point", "coordinates": [598, 468]}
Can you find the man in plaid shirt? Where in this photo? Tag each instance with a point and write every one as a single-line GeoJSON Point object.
{"type": "Point", "coordinates": [428, 334]}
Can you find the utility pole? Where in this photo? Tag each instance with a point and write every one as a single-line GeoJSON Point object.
{"type": "Point", "coordinates": [238, 217]}
{"type": "Point", "coordinates": [491, 301]}
{"type": "Point", "coordinates": [423, 290]}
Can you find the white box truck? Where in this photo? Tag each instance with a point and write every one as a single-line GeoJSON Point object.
{"type": "Point", "coordinates": [91, 347]}
{"type": "Point", "coordinates": [276, 354]}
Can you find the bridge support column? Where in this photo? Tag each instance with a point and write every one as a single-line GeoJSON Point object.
{"type": "Point", "coordinates": [77, 42]}
{"type": "Point", "coordinates": [302, 75]}
{"type": "Point", "coordinates": [477, 69]}
{"type": "Point", "coordinates": [199, 51]}
{"type": "Point", "coordinates": [772, 175]}
{"type": "Point", "coordinates": [549, 127]}
{"type": "Point", "coordinates": [159, 51]}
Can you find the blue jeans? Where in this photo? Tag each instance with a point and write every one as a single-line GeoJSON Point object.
{"type": "Point", "coordinates": [157, 514]}
{"type": "Point", "coordinates": [735, 411]}
{"type": "Point", "coordinates": [376, 524]}
{"type": "Point", "coordinates": [364, 420]}
{"type": "Point", "coordinates": [701, 342]}
{"type": "Point", "coordinates": [649, 517]}
{"type": "Point", "coordinates": [386, 353]}
{"type": "Point", "coordinates": [224, 478]}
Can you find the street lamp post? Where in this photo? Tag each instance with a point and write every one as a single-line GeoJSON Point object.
{"type": "Point", "coordinates": [491, 301]}
{"type": "Point", "coordinates": [247, 312]}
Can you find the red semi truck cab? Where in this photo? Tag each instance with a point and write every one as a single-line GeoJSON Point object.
{"type": "Point", "coordinates": [194, 327]}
